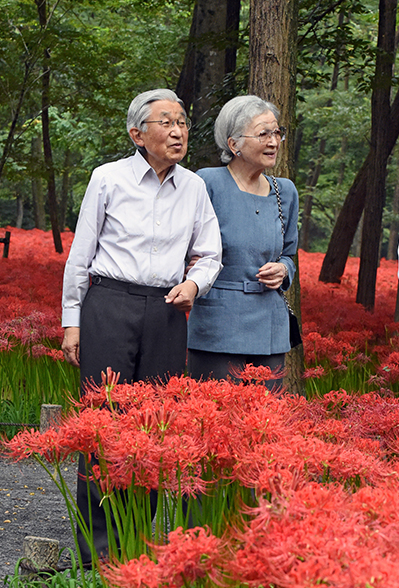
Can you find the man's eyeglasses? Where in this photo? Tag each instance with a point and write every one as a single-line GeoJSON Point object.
{"type": "Point", "coordinates": [182, 123]}
{"type": "Point", "coordinates": [266, 134]}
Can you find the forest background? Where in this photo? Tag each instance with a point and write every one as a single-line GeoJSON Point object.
{"type": "Point", "coordinates": [69, 70]}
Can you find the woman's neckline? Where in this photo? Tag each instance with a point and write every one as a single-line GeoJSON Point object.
{"type": "Point", "coordinates": [241, 186]}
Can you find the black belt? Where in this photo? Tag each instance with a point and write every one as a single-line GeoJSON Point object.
{"type": "Point", "coordinates": [129, 287]}
{"type": "Point", "coordinates": [247, 286]}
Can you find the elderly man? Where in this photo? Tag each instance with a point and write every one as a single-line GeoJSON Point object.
{"type": "Point", "coordinates": [140, 218]}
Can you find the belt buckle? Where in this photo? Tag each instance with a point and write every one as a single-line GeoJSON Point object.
{"type": "Point", "coordinates": [251, 287]}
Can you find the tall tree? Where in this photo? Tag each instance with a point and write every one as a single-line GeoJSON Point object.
{"type": "Point", "coordinates": [48, 156]}
{"type": "Point", "coordinates": [375, 189]}
{"type": "Point", "coordinates": [345, 227]}
{"type": "Point", "coordinates": [210, 55]}
{"type": "Point", "coordinates": [272, 76]}
{"type": "Point", "coordinates": [316, 164]}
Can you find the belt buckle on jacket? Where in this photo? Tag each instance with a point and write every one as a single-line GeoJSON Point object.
{"type": "Point", "coordinates": [251, 287]}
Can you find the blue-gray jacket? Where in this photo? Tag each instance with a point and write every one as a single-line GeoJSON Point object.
{"type": "Point", "coordinates": [231, 318]}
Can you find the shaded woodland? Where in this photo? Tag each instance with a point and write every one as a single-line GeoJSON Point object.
{"type": "Point", "coordinates": [70, 69]}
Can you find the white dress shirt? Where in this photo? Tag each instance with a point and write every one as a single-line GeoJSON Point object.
{"type": "Point", "coordinates": [134, 229]}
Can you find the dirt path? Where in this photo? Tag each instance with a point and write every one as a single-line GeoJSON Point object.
{"type": "Point", "coordinates": [31, 504]}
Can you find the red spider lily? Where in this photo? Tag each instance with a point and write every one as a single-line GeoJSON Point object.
{"type": "Point", "coordinates": [314, 536]}
{"type": "Point", "coordinates": [40, 350]}
{"type": "Point", "coordinates": [109, 379]}
{"type": "Point", "coordinates": [27, 443]}
{"type": "Point", "coordinates": [316, 372]}
{"type": "Point", "coordinates": [189, 556]}
{"type": "Point", "coordinates": [258, 375]}
{"type": "Point", "coordinates": [137, 573]}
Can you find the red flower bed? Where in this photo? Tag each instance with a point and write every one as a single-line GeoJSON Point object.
{"type": "Point", "coordinates": [335, 328]}
{"type": "Point", "coordinates": [341, 333]}
{"type": "Point", "coordinates": [325, 473]}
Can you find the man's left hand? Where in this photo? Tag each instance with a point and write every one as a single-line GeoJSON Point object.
{"type": "Point", "coordinates": [183, 295]}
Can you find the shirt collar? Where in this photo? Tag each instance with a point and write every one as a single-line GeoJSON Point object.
{"type": "Point", "coordinates": [141, 168]}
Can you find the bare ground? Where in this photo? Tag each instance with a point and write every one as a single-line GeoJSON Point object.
{"type": "Point", "coordinates": [31, 504]}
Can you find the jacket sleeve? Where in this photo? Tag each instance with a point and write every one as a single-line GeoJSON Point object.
{"type": "Point", "coordinates": [290, 206]}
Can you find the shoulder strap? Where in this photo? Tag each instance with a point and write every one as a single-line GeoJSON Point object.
{"type": "Point", "coordinates": [280, 212]}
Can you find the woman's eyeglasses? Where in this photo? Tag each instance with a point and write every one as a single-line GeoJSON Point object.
{"type": "Point", "coordinates": [266, 134]}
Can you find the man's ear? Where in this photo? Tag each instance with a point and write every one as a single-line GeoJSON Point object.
{"type": "Point", "coordinates": [135, 135]}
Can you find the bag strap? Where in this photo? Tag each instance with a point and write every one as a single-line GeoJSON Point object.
{"type": "Point", "coordinates": [280, 214]}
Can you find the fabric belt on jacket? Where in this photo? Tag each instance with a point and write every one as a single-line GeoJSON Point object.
{"type": "Point", "coordinates": [247, 286]}
{"type": "Point", "coordinates": [129, 287]}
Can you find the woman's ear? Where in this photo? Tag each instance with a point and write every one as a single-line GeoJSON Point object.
{"type": "Point", "coordinates": [232, 143]}
{"type": "Point", "coordinates": [135, 135]}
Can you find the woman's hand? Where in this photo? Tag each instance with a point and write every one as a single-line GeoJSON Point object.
{"type": "Point", "coordinates": [272, 274]}
{"type": "Point", "coordinates": [192, 263]}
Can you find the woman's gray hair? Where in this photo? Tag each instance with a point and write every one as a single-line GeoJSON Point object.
{"type": "Point", "coordinates": [140, 107]}
{"type": "Point", "coordinates": [234, 118]}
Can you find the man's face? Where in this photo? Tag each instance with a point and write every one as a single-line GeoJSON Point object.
{"type": "Point", "coordinates": [164, 147]}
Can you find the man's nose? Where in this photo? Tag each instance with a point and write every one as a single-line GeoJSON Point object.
{"type": "Point", "coordinates": [176, 130]}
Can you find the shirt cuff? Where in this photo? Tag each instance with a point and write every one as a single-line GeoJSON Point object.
{"type": "Point", "coordinates": [71, 317]}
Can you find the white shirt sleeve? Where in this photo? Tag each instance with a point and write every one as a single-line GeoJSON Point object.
{"type": "Point", "coordinates": [83, 250]}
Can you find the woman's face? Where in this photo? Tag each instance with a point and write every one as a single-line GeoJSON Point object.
{"type": "Point", "coordinates": [262, 153]}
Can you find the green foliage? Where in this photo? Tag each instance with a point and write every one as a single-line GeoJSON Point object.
{"type": "Point", "coordinates": [27, 382]}
{"type": "Point", "coordinates": [102, 55]}
{"type": "Point", "coordinates": [105, 52]}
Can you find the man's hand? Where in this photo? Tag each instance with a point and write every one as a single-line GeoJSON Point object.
{"type": "Point", "coordinates": [272, 274]}
{"type": "Point", "coordinates": [183, 295]}
{"type": "Point", "coordinates": [70, 345]}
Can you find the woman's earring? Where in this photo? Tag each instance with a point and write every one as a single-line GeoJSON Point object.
{"type": "Point", "coordinates": [238, 153]}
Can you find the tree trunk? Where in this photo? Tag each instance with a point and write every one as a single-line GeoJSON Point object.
{"type": "Point", "coordinates": [20, 211]}
{"type": "Point", "coordinates": [272, 76]}
{"type": "Point", "coordinates": [396, 317]}
{"type": "Point", "coordinates": [211, 54]}
{"type": "Point", "coordinates": [65, 188]}
{"type": "Point", "coordinates": [10, 137]}
{"type": "Point", "coordinates": [314, 174]}
{"type": "Point", "coordinates": [48, 157]}
{"type": "Point", "coordinates": [375, 188]}
{"type": "Point", "coordinates": [345, 228]}
{"type": "Point", "coordinates": [394, 226]}
{"type": "Point", "coordinates": [313, 177]}
{"type": "Point", "coordinates": [37, 186]}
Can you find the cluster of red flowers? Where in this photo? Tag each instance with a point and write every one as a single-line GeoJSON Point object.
{"type": "Point", "coordinates": [30, 290]}
{"type": "Point", "coordinates": [335, 328]}
{"type": "Point", "coordinates": [343, 333]}
{"type": "Point", "coordinates": [325, 473]}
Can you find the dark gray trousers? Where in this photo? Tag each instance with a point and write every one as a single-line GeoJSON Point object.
{"type": "Point", "coordinates": [205, 364]}
{"type": "Point", "coordinates": [132, 330]}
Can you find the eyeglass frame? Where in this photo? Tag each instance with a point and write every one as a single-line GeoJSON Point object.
{"type": "Point", "coordinates": [186, 123]}
{"type": "Point", "coordinates": [279, 135]}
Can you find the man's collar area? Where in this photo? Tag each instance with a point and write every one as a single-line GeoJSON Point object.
{"type": "Point", "coordinates": [141, 168]}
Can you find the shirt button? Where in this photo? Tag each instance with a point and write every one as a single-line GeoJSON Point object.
{"type": "Point", "coordinates": [158, 223]}
{"type": "Point", "coordinates": [155, 249]}
{"type": "Point", "coordinates": [154, 275]}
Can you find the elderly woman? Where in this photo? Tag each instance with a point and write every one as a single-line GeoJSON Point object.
{"type": "Point", "coordinates": [244, 319]}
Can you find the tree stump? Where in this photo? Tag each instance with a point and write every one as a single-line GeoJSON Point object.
{"type": "Point", "coordinates": [40, 555]}
{"type": "Point", "coordinates": [50, 416]}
